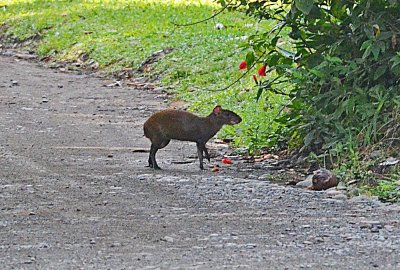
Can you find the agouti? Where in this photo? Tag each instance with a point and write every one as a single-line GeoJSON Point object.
{"type": "Point", "coordinates": [163, 126]}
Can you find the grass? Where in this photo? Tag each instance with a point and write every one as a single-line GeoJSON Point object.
{"type": "Point", "coordinates": [117, 34]}
{"type": "Point", "coordinates": [386, 190]}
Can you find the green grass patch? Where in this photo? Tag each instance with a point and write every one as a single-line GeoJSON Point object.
{"type": "Point", "coordinates": [118, 34]}
{"type": "Point", "coordinates": [386, 190]}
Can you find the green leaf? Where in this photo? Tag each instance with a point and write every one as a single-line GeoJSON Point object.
{"type": "Point", "coordinates": [335, 60]}
{"type": "Point", "coordinates": [395, 60]}
{"type": "Point", "coordinates": [367, 52]}
{"type": "Point", "coordinates": [308, 138]}
{"type": "Point", "coordinates": [375, 50]}
{"type": "Point", "coordinates": [304, 6]}
{"type": "Point", "coordinates": [250, 59]}
{"type": "Point", "coordinates": [259, 92]}
{"type": "Point", "coordinates": [317, 73]}
{"type": "Point", "coordinates": [366, 44]}
{"type": "Point", "coordinates": [379, 72]}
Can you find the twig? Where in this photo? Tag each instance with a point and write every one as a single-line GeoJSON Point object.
{"type": "Point", "coordinates": [206, 19]}
{"type": "Point", "coordinates": [238, 79]}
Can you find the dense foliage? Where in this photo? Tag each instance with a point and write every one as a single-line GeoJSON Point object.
{"type": "Point", "coordinates": [342, 58]}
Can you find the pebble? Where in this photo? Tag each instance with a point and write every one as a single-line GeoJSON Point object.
{"type": "Point", "coordinates": [265, 176]}
{"type": "Point", "coordinates": [341, 186]}
{"type": "Point", "coordinates": [143, 176]}
{"type": "Point", "coordinates": [168, 239]}
{"type": "Point", "coordinates": [340, 197]}
{"type": "Point", "coordinates": [360, 199]}
{"type": "Point", "coordinates": [251, 246]}
{"type": "Point", "coordinates": [305, 183]}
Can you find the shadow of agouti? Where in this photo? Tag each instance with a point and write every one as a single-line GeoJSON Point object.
{"type": "Point", "coordinates": [163, 126]}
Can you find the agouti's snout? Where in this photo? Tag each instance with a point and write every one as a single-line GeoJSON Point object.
{"type": "Point", "coordinates": [163, 126]}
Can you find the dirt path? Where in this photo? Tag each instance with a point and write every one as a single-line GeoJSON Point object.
{"type": "Point", "coordinates": [74, 194]}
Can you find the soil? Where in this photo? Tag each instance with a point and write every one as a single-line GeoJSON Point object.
{"type": "Point", "coordinates": [75, 192]}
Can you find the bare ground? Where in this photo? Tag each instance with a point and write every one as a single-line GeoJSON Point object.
{"type": "Point", "coordinates": [75, 193]}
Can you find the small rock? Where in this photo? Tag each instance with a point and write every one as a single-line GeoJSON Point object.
{"type": "Point", "coordinates": [333, 192]}
{"type": "Point", "coordinates": [374, 229]}
{"type": "Point", "coordinates": [341, 186]}
{"type": "Point", "coordinates": [30, 260]}
{"type": "Point", "coordinates": [25, 56]}
{"type": "Point", "coordinates": [305, 183]}
{"type": "Point", "coordinates": [360, 199]}
{"type": "Point", "coordinates": [372, 222]}
{"type": "Point", "coordinates": [14, 83]}
{"type": "Point", "coordinates": [319, 239]}
{"type": "Point", "coordinates": [323, 179]}
{"type": "Point", "coordinates": [168, 239]}
{"type": "Point", "coordinates": [116, 244]}
{"type": "Point", "coordinates": [389, 162]}
{"type": "Point", "coordinates": [340, 196]}
{"type": "Point", "coordinates": [251, 246]}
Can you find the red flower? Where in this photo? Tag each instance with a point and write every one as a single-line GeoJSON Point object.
{"type": "Point", "coordinates": [227, 161]}
{"type": "Point", "coordinates": [261, 71]}
{"type": "Point", "coordinates": [255, 79]}
{"type": "Point", "coordinates": [243, 65]}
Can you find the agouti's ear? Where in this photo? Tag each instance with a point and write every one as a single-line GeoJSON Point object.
{"type": "Point", "coordinates": [217, 110]}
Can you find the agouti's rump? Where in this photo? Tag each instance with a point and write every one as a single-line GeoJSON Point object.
{"type": "Point", "coordinates": [163, 126]}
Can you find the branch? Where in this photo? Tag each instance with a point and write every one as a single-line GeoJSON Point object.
{"type": "Point", "coordinates": [241, 76]}
{"type": "Point", "coordinates": [267, 87]}
{"type": "Point", "coordinates": [206, 19]}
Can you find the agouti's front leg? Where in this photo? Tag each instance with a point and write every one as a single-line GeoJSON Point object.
{"type": "Point", "coordinates": [200, 154]}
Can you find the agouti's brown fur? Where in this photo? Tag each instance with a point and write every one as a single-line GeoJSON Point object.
{"type": "Point", "coordinates": [163, 126]}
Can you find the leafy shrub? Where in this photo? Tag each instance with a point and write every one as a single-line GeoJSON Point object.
{"type": "Point", "coordinates": [342, 58]}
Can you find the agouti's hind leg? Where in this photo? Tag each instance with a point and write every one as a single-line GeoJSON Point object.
{"type": "Point", "coordinates": [153, 150]}
{"type": "Point", "coordinates": [152, 157]}
{"type": "Point", "coordinates": [206, 153]}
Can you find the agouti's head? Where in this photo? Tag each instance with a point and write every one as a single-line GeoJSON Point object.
{"type": "Point", "coordinates": [225, 116]}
